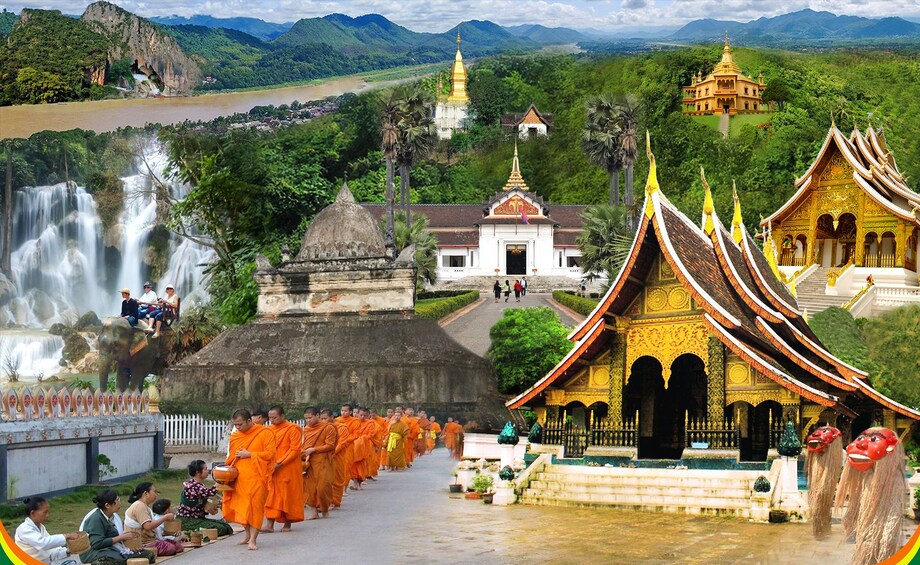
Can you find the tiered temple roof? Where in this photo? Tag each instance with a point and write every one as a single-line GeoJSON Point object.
{"type": "Point", "coordinates": [743, 305]}
{"type": "Point", "coordinates": [874, 171]}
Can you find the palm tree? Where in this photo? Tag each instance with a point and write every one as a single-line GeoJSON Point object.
{"type": "Point", "coordinates": [389, 146]}
{"type": "Point", "coordinates": [417, 138]}
{"type": "Point", "coordinates": [426, 248]}
{"type": "Point", "coordinates": [604, 242]}
{"type": "Point", "coordinates": [629, 120]}
{"type": "Point", "coordinates": [601, 141]}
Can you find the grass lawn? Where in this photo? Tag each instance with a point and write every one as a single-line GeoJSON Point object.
{"type": "Point", "coordinates": [67, 510]}
{"type": "Point", "coordinates": [708, 121]}
{"type": "Point", "coordinates": [737, 122]}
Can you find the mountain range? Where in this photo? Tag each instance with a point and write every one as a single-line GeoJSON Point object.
{"type": "Point", "coordinates": [804, 25]}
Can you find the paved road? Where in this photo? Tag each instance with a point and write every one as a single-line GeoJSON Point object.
{"type": "Point", "coordinates": [408, 517]}
{"type": "Point", "coordinates": [472, 329]}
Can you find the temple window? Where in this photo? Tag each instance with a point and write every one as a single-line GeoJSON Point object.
{"type": "Point", "coordinates": [455, 261]}
{"type": "Point", "coordinates": [574, 262]}
{"type": "Point", "coordinates": [746, 106]}
{"type": "Point", "coordinates": [745, 90]}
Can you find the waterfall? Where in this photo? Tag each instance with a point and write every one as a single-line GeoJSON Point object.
{"type": "Point", "coordinates": [30, 353]}
{"type": "Point", "coordinates": [60, 257]}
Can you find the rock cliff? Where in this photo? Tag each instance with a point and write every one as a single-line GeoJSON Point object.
{"type": "Point", "coordinates": [156, 53]}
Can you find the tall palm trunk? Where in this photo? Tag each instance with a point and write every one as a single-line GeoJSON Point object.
{"type": "Point", "coordinates": [614, 186]}
{"type": "Point", "coordinates": [6, 265]}
{"type": "Point", "coordinates": [404, 191]}
{"type": "Point", "coordinates": [391, 205]}
{"type": "Point", "coordinates": [630, 197]}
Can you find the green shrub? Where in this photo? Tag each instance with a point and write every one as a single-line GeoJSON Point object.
{"type": "Point", "coordinates": [843, 337]}
{"type": "Point", "coordinates": [891, 340]}
{"type": "Point", "coordinates": [441, 294]}
{"type": "Point", "coordinates": [526, 344]}
{"type": "Point", "coordinates": [436, 308]}
{"type": "Point", "coordinates": [580, 304]}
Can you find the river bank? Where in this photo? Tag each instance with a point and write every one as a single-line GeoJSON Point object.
{"type": "Point", "coordinates": [110, 115]}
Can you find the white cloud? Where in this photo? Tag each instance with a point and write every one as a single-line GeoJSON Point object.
{"type": "Point", "coordinates": [440, 15]}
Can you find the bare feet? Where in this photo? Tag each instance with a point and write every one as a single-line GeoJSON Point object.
{"type": "Point", "coordinates": [244, 542]}
{"type": "Point", "coordinates": [313, 517]}
{"type": "Point", "coordinates": [268, 531]}
{"type": "Point", "coordinates": [253, 546]}
{"type": "Point", "coordinates": [286, 529]}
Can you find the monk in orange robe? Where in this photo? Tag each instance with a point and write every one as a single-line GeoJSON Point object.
{"type": "Point", "coordinates": [340, 465]}
{"type": "Point", "coordinates": [286, 488]}
{"type": "Point", "coordinates": [354, 435]}
{"type": "Point", "coordinates": [383, 425]}
{"type": "Point", "coordinates": [396, 437]}
{"type": "Point", "coordinates": [451, 437]}
{"type": "Point", "coordinates": [421, 442]}
{"type": "Point", "coordinates": [252, 452]}
{"type": "Point", "coordinates": [412, 421]}
{"type": "Point", "coordinates": [361, 447]}
{"type": "Point", "coordinates": [372, 431]}
{"type": "Point", "coordinates": [319, 439]}
{"type": "Point", "coordinates": [433, 432]}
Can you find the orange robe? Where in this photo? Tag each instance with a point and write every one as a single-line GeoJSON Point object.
{"type": "Point", "coordinates": [354, 435]}
{"type": "Point", "coordinates": [340, 462]}
{"type": "Point", "coordinates": [286, 487]}
{"type": "Point", "coordinates": [410, 441]}
{"type": "Point", "coordinates": [320, 474]}
{"type": "Point", "coordinates": [245, 504]}
{"type": "Point", "coordinates": [451, 437]}
{"type": "Point", "coordinates": [383, 425]}
{"type": "Point", "coordinates": [372, 461]}
{"type": "Point", "coordinates": [433, 432]}
{"type": "Point", "coordinates": [363, 449]}
{"type": "Point", "coordinates": [421, 439]}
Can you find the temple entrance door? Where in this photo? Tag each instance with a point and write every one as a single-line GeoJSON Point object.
{"type": "Point", "coordinates": [516, 259]}
{"type": "Point", "coordinates": [837, 240]}
{"type": "Point", "coordinates": [757, 426]}
{"type": "Point", "coordinates": [725, 109]}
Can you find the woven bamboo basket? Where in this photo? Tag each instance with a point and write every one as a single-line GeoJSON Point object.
{"type": "Point", "coordinates": [79, 545]}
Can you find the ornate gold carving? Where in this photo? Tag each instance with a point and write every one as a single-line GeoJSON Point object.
{"type": "Point", "coordinates": [656, 299]}
{"type": "Point", "coordinates": [600, 377]}
{"type": "Point", "coordinates": [803, 212]}
{"type": "Point", "coordinates": [755, 397]}
{"type": "Point", "coordinates": [665, 272]}
{"type": "Point", "coordinates": [554, 397]}
{"type": "Point", "coordinates": [837, 169]}
{"type": "Point", "coordinates": [580, 380]}
{"type": "Point", "coordinates": [739, 374]}
{"type": "Point", "coordinates": [666, 341]}
{"type": "Point", "coordinates": [586, 398]}
{"type": "Point", "coordinates": [671, 298]}
{"type": "Point", "coordinates": [715, 381]}
{"type": "Point", "coordinates": [513, 207]}
{"type": "Point", "coordinates": [873, 210]}
{"type": "Point", "coordinates": [838, 201]}
{"type": "Point", "coordinates": [678, 298]}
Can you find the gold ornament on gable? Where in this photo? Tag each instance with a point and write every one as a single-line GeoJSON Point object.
{"type": "Point", "coordinates": [666, 342]}
{"type": "Point", "coordinates": [600, 377]}
{"type": "Point", "coordinates": [665, 272]}
{"type": "Point", "coordinates": [665, 299]}
{"type": "Point", "coordinates": [738, 374]}
{"type": "Point", "coordinates": [837, 169]}
{"type": "Point", "coordinates": [873, 210]}
{"type": "Point", "coordinates": [513, 207]}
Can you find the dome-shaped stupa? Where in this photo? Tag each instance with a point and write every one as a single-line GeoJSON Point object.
{"type": "Point", "coordinates": [343, 230]}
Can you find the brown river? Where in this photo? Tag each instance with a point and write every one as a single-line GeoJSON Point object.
{"type": "Point", "coordinates": [109, 115]}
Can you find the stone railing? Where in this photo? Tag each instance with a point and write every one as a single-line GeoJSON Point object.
{"type": "Point", "coordinates": [848, 305]}
{"type": "Point", "coordinates": [896, 295]}
{"type": "Point", "coordinates": [881, 260]}
{"type": "Point", "coordinates": [38, 403]}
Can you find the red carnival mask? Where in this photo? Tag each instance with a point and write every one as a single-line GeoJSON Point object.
{"type": "Point", "coordinates": [871, 446]}
{"type": "Point", "coordinates": [822, 437]}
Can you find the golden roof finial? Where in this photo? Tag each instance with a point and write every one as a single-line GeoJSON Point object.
{"type": "Point", "coordinates": [651, 185]}
{"type": "Point", "coordinates": [515, 179]}
{"type": "Point", "coordinates": [458, 38]}
{"type": "Point", "coordinates": [737, 222]}
{"type": "Point", "coordinates": [726, 40]}
{"type": "Point", "coordinates": [708, 206]}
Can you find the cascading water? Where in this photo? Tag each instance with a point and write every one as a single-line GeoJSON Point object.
{"type": "Point", "coordinates": [59, 259]}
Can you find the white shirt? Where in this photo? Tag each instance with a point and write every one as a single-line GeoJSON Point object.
{"type": "Point", "coordinates": [38, 543]}
{"type": "Point", "coordinates": [148, 297]}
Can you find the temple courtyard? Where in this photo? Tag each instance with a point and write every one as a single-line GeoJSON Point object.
{"type": "Point", "coordinates": [409, 517]}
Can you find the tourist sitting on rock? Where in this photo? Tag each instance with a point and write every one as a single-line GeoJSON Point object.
{"type": "Point", "coordinates": [129, 307]}
{"type": "Point", "coordinates": [34, 539]}
{"type": "Point", "coordinates": [105, 542]}
{"type": "Point", "coordinates": [168, 311]}
{"type": "Point", "coordinates": [194, 499]}
{"type": "Point", "coordinates": [139, 519]}
{"type": "Point", "coordinates": [148, 303]}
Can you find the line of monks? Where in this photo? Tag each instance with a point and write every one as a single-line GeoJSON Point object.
{"type": "Point", "coordinates": [283, 468]}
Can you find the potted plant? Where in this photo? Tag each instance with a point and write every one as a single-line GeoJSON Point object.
{"type": "Point", "coordinates": [487, 497]}
{"type": "Point", "coordinates": [481, 484]}
{"type": "Point", "coordinates": [455, 486]}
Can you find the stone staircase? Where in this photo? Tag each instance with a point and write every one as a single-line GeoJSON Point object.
{"type": "Point", "coordinates": [810, 293]}
{"type": "Point", "coordinates": [657, 490]}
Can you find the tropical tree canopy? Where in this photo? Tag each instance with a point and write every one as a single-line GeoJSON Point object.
{"type": "Point", "coordinates": [426, 248]}
{"type": "Point", "coordinates": [605, 241]}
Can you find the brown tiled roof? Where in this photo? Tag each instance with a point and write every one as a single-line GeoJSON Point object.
{"type": "Point", "coordinates": [439, 215]}
{"type": "Point", "coordinates": [565, 238]}
{"type": "Point", "coordinates": [533, 220]}
{"type": "Point", "coordinates": [568, 215]}
{"type": "Point", "coordinates": [509, 121]}
{"type": "Point", "coordinates": [457, 238]}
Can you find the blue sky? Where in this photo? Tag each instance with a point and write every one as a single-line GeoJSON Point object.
{"type": "Point", "coordinates": [440, 15]}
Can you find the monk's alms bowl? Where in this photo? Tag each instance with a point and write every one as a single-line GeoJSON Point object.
{"type": "Point", "coordinates": [224, 475]}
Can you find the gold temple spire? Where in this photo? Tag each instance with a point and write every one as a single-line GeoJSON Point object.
{"type": "Point", "coordinates": [651, 185]}
{"type": "Point", "coordinates": [458, 78]}
{"type": "Point", "coordinates": [737, 222]}
{"type": "Point", "coordinates": [515, 179]}
{"type": "Point", "coordinates": [708, 206]}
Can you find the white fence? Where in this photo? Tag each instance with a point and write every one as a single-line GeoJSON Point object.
{"type": "Point", "coordinates": [183, 429]}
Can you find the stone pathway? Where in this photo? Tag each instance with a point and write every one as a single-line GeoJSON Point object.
{"type": "Point", "coordinates": [723, 124]}
{"type": "Point", "coordinates": [472, 329]}
{"type": "Point", "coordinates": [408, 517]}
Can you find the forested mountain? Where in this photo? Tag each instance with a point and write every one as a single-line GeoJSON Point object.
{"type": "Point", "coordinates": [547, 35]}
{"type": "Point", "coordinates": [255, 27]}
{"type": "Point", "coordinates": [7, 19]}
{"type": "Point", "coordinates": [803, 25]}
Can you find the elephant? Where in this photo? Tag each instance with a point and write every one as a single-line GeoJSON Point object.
{"type": "Point", "coordinates": [126, 351]}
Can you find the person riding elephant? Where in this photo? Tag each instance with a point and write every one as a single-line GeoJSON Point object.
{"type": "Point", "coordinates": [125, 351]}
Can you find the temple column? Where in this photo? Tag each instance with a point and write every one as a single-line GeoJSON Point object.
{"type": "Point", "coordinates": [715, 381]}
{"type": "Point", "coordinates": [900, 242]}
{"type": "Point", "coordinates": [617, 371]}
{"type": "Point", "coordinates": [860, 250]}
{"type": "Point", "coordinates": [810, 239]}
